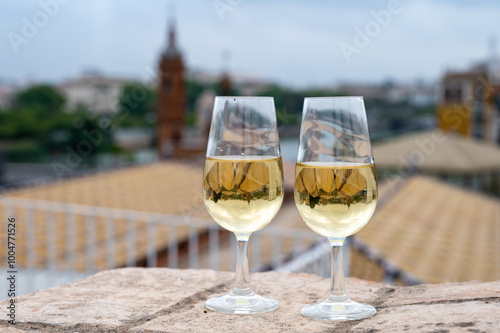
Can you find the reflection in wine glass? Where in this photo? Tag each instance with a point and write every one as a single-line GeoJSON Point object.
{"type": "Point", "coordinates": [335, 188]}
{"type": "Point", "coordinates": [243, 186]}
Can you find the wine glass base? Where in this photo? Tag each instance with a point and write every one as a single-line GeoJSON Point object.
{"type": "Point", "coordinates": [338, 310]}
{"type": "Point", "coordinates": [241, 304]}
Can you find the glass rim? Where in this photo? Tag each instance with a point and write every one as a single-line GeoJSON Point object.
{"type": "Point", "coordinates": [245, 97]}
{"type": "Point", "coordinates": [334, 97]}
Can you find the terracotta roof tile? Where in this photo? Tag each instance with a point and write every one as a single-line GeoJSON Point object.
{"type": "Point", "coordinates": [437, 232]}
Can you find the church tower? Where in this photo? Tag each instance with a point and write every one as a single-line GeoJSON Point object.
{"type": "Point", "coordinates": [171, 97]}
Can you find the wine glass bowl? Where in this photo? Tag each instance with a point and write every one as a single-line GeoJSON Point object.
{"type": "Point", "coordinates": [335, 200]}
{"type": "Point", "coordinates": [335, 188]}
{"type": "Point", "coordinates": [243, 185]}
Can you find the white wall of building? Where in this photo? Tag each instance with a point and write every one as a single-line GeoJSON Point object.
{"type": "Point", "coordinates": [98, 94]}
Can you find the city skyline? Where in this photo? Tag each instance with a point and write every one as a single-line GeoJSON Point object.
{"type": "Point", "coordinates": [291, 43]}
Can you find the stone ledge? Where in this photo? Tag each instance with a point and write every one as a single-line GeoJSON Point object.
{"type": "Point", "coordinates": [169, 300]}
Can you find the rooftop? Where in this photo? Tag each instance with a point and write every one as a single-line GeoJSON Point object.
{"type": "Point", "coordinates": [437, 151]}
{"type": "Point", "coordinates": [431, 231]}
{"type": "Point", "coordinates": [144, 215]}
{"type": "Point", "coordinates": [435, 231]}
{"type": "Point", "coordinates": [148, 188]}
{"type": "Point", "coordinates": [136, 195]}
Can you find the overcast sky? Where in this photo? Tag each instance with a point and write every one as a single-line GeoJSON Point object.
{"type": "Point", "coordinates": [300, 43]}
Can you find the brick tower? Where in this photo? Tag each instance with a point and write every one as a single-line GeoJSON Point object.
{"type": "Point", "coordinates": [171, 98]}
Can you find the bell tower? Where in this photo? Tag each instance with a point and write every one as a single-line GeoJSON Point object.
{"type": "Point", "coordinates": [171, 97]}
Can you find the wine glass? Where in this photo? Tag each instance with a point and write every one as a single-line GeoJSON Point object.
{"type": "Point", "coordinates": [335, 188]}
{"type": "Point", "coordinates": [243, 186]}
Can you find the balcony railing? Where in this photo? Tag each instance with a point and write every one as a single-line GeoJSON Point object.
{"type": "Point", "coordinates": [59, 242]}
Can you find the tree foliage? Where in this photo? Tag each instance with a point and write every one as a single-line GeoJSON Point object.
{"type": "Point", "coordinates": [137, 99]}
{"type": "Point", "coordinates": [37, 125]}
{"type": "Point", "coordinates": [289, 102]}
{"type": "Point", "coordinates": [43, 98]}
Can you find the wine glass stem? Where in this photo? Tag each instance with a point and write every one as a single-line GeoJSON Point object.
{"type": "Point", "coordinates": [242, 285]}
{"type": "Point", "coordinates": [337, 291]}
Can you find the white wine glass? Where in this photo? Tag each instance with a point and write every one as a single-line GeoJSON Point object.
{"type": "Point", "coordinates": [243, 186]}
{"type": "Point", "coordinates": [335, 188]}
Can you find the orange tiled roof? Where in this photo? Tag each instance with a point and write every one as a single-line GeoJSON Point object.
{"type": "Point", "coordinates": [164, 188]}
{"type": "Point", "coordinates": [165, 191]}
{"type": "Point", "coordinates": [436, 232]}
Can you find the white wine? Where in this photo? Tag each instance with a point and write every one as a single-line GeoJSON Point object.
{"type": "Point", "coordinates": [335, 199]}
{"type": "Point", "coordinates": [243, 193]}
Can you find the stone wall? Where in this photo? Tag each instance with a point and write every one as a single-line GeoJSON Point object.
{"type": "Point", "coordinates": [169, 300]}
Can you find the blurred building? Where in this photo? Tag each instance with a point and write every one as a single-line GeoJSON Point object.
{"type": "Point", "coordinates": [171, 97]}
{"type": "Point", "coordinates": [449, 156]}
{"type": "Point", "coordinates": [133, 138]}
{"type": "Point", "coordinates": [416, 94]}
{"type": "Point", "coordinates": [6, 92]}
{"type": "Point", "coordinates": [469, 103]}
{"type": "Point", "coordinates": [175, 139]}
{"type": "Point", "coordinates": [246, 85]}
{"type": "Point", "coordinates": [94, 92]}
{"type": "Point", "coordinates": [361, 89]}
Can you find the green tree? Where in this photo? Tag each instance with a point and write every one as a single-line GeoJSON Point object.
{"type": "Point", "coordinates": [137, 99]}
{"type": "Point", "coordinates": [288, 104]}
{"type": "Point", "coordinates": [63, 134]}
{"type": "Point", "coordinates": [193, 91]}
{"type": "Point", "coordinates": [43, 98]}
{"type": "Point", "coordinates": [137, 104]}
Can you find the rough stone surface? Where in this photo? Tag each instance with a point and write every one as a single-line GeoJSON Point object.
{"type": "Point", "coordinates": [114, 299]}
{"type": "Point", "coordinates": [168, 300]}
{"type": "Point", "coordinates": [11, 329]}
{"type": "Point", "coordinates": [436, 293]}
{"type": "Point", "coordinates": [475, 316]}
